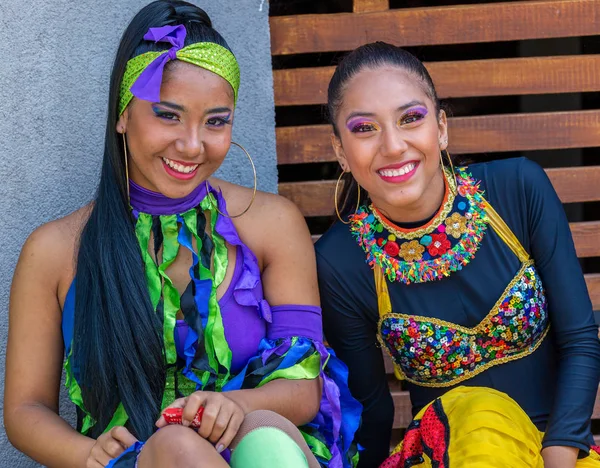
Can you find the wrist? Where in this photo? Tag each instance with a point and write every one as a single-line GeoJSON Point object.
{"type": "Point", "coordinates": [239, 397]}
{"type": "Point", "coordinates": [560, 456]}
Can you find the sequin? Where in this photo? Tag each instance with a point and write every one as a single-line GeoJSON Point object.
{"type": "Point", "coordinates": [439, 250]}
{"type": "Point", "coordinates": [207, 55]}
{"type": "Point", "coordinates": [411, 251]}
{"type": "Point", "coordinates": [435, 353]}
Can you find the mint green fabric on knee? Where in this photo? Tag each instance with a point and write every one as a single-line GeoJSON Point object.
{"type": "Point", "coordinates": [268, 447]}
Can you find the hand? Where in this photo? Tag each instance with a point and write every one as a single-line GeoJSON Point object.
{"type": "Point", "coordinates": [560, 457]}
{"type": "Point", "coordinates": [108, 446]}
{"type": "Point", "coordinates": [221, 419]}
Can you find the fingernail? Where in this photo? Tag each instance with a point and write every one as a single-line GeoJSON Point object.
{"type": "Point", "coordinates": [220, 448]}
{"type": "Point", "coordinates": [185, 422]}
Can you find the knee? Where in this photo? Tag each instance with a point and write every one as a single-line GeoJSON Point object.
{"type": "Point", "coordinates": [264, 418]}
{"type": "Point", "coordinates": [260, 418]}
{"type": "Point", "coordinates": [176, 446]}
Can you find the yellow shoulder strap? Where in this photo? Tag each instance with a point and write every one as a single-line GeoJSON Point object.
{"type": "Point", "coordinates": [384, 305]}
{"type": "Point", "coordinates": [505, 233]}
{"type": "Point", "coordinates": [383, 296]}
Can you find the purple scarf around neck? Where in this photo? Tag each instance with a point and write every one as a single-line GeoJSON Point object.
{"type": "Point", "coordinates": [154, 203]}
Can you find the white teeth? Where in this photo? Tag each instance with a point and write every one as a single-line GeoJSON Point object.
{"type": "Point", "coordinates": [180, 167]}
{"type": "Point", "coordinates": [397, 172]}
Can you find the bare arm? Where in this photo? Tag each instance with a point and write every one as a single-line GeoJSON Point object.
{"type": "Point", "coordinates": [35, 354]}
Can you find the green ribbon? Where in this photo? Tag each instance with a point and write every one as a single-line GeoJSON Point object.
{"type": "Point", "coordinates": [316, 446]}
{"type": "Point", "coordinates": [143, 228]}
{"type": "Point", "coordinates": [75, 394]}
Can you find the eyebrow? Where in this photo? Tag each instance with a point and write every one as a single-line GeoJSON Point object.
{"type": "Point", "coordinates": [172, 105]}
{"type": "Point", "coordinates": [218, 110]}
{"type": "Point", "coordinates": [178, 107]}
{"type": "Point", "coordinates": [399, 109]}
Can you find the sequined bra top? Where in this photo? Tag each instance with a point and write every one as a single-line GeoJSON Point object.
{"type": "Point", "coordinates": [431, 352]}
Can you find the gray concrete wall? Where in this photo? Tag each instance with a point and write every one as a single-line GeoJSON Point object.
{"type": "Point", "coordinates": [53, 86]}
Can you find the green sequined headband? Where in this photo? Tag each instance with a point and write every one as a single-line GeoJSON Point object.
{"type": "Point", "coordinates": [143, 74]}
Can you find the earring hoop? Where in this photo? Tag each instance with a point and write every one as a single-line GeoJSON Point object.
{"type": "Point", "coordinates": [335, 199]}
{"type": "Point", "coordinates": [253, 191]}
{"type": "Point", "coordinates": [126, 166]}
{"type": "Point", "coordinates": [455, 188]}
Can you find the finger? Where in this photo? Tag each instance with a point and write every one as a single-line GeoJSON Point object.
{"type": "Point", "coordinates": [232, 429]}
{"type": "Point", "coordinates": [220, 424]}
{"type": "Point", "coordinates": [93, 464]}
{"type": "Point", "coordinates": [123, 436]}
{"type": "Point", "coordinates": [113, 448]}
{"type": "Point", "coordinates": [103, 458]}
{"type": "Point", "coordinates": [179, 403]}
{"type": "Point", "coordinates": [209, 417]}
{"type": "Point", "coordinates": [193, 404]}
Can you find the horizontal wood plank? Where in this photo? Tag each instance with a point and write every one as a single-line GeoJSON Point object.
{"type": "Point", "coordinates": [510, 21]}
{"type": "Point", "coordinates": [366, 6]}
{"type": "Point", "coordinates": [466, 78]}
{"type": "Point", "coordinates": [467, 135]}
{"type": "Point", "coordinates": [593, 284]}
{"type": "Point", "coordinates": [573, 184]}
{"type": "Point", "coordinates": [576, 184]}
{"type": "Point", "coordinates": [586, 236]}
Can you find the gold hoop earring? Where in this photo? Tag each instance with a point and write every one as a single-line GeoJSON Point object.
{"type": "Point", "coordinates": [335, 199]}
{"type": "Point", "coordinates": [126, 165]}
{"type": "Point", "coordinates": [455, 188]}
{"type": "Point", "coordinates": [253, 192]}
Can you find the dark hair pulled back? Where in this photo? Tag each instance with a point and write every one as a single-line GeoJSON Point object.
{"type": "Point", "coordinates": [370, 56]}
{"type": "Point", "coordinates": [117, 339]}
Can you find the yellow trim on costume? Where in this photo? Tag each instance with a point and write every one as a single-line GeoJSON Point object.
{"type": "Point", "coordinates": [486, 321]}
{"type": "Point", "coordinates": [448, 204]}
{"type": "Point", "coordinates": [385, 306]}
{"type": "Point", "coordinates": [504, 232]}
{"type": "Point", "coordinates": [470, 374]}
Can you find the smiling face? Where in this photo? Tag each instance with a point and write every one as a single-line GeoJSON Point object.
{"type": "Point", "coordinates": [390, 138]}
{"type": "Point", "coordinates": [176, 144]}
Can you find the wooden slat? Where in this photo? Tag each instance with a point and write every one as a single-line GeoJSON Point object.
{"type": "Point", "coordinates": [523, 132]}
{"type": "Point", "coordinates": [573, 184]}
{"type": "Point", "coordinates": [468, 135]}
{"type": "Point", "coordinates": [465, 78]}
{"type": "Point", "coordinates": [586, 236]}
{"type": "Point", "coordinates": [576, 184]}
{"type": "Point", "coordinates": [453, 25]}
{"type": "Point", "coordinates": [366, 6]}
{"type": "Point", "coordinates": [402, 406]}
{"type": "Point", "coordinates": [593, 285]}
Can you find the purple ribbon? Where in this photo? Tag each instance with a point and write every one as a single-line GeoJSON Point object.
{"type": "Point", "coordinates": [147, 86]}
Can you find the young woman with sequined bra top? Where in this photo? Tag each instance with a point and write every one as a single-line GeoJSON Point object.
{"type": "Point", "coordinates": [466, 276]}
{"type": "Point", "coordinates": [186, 307]}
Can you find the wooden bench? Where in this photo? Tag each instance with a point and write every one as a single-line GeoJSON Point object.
{"type": "Point", "coordinates": [471, 134]}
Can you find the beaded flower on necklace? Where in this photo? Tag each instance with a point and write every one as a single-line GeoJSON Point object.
{"type": "Point", "coordinates": [447, 243]}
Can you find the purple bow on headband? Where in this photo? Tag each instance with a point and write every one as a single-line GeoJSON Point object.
{"type": "Point", "coordinates": [147, 86]}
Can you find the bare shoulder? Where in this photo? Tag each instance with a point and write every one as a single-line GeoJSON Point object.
{"type": "Point", "coordinates": [51, 248]}
{"type": "Point", "coordinates": [267, 207]}
{"type": "Point", "coordinates": [270, 221]}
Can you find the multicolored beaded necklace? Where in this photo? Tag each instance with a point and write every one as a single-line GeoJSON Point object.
{"type": "Point", "coordinates": [442, 246]}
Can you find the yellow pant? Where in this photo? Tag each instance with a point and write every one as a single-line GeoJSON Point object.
{"type": "Point", "coordinates": [488, 429]}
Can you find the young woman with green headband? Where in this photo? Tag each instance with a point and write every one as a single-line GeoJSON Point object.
{"type": "Point", "coordinates": [169, 305]}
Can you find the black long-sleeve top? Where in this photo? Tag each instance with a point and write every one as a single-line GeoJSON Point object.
{"type": "Point", "coordinates": [556, 385]}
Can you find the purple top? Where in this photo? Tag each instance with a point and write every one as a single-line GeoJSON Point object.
{"type": "Point", "coordinates": [247, 316]}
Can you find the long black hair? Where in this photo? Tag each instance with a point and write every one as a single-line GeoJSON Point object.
{"type": "Point", "coordinates": [370, 56]}
{"type": "Point", "coordinates": [117, 345]}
